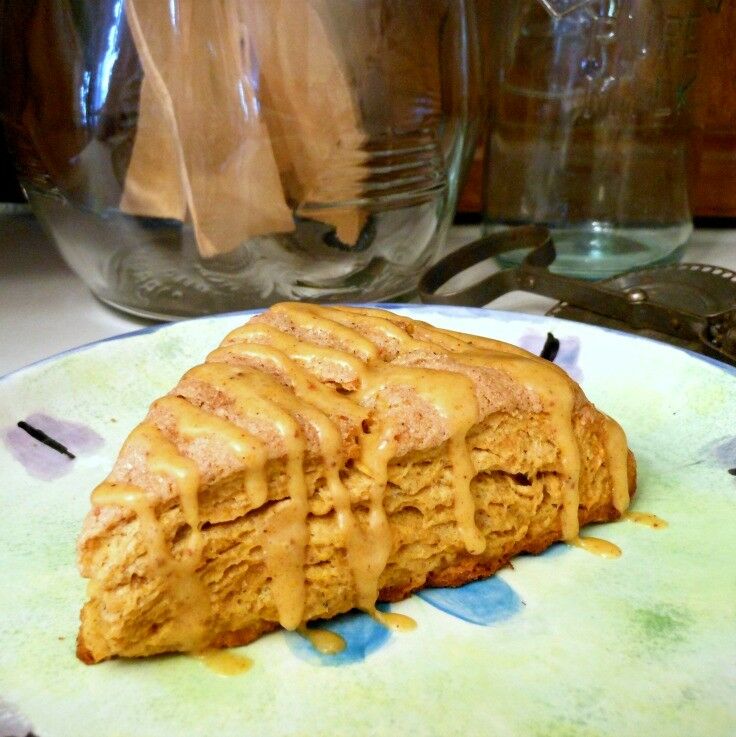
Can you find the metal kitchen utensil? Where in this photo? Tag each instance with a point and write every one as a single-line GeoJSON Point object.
{"type": "Point", "coordinates": [699, 288]}
{"type": "Point", "coordinates": [691, 305]}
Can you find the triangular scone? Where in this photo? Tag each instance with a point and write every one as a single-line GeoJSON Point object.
{"type": "Point", "coordinates": [325, 458]}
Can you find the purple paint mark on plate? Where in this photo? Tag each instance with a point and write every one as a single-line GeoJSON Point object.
{"type": "Point", "coordinates": [567, 356]}
{"type": "Point", "coordinates": [12, 722]}
{"type": "Point", "coordinates": [79, 438]}
{"type": "Point", "coordinates": [43, 462]}
{"type": "Point", "coordinates": [723, 451]}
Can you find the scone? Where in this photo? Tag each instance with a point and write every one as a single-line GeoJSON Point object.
{"type": "Point", "coordinates": [324, 459]}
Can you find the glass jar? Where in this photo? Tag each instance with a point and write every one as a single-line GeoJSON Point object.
{"type": "Point", "coordinates": [589, 127]}
{"type": "Point", "coordinates": [194, 156]}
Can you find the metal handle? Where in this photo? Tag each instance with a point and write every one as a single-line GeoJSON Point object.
{"type": "Point", "coordinates": [533, 275]}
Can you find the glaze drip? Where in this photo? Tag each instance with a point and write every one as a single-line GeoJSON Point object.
{"type": "Point", "coordinates": [224, 663]}
{"type": "Point", "coordinates": [187, 595]}
{"type": "Point", "coordinates": [596, 546]}
{"type": "Point", "coordinates": [323, 641]}
{"type": "Point", "coordinates": [616, 452]}
{"type": "Point", "coordinates": [394, 620]}
{"type": "Point", "coordinates": [646, 519]}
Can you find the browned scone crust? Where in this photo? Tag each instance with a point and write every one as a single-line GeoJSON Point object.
{"type": "Point", "coordinates": [517, 490]}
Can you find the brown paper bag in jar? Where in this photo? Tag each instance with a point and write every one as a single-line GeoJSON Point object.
{"type": "Point", "coordinates": [310, 110]}
{"type": "Point", "coordinates": [153, 183]}
{"type": "Point", "coordinates": [199, 69]}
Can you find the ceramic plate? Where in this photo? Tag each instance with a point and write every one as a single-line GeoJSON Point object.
{"type": "Point", "coordinates": [564, 645]}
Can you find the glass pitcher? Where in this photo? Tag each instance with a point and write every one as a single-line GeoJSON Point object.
{"type": "Point", "coordinates": [589, 127]}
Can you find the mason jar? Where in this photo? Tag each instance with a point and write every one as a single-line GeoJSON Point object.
{"type": "Point", "coordinates": [590, 127]}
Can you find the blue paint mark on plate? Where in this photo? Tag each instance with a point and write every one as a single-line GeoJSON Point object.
{"type": "Point", "coordinates": [482, 602]}
{"type": "Point", "coordinates": [362, 635]}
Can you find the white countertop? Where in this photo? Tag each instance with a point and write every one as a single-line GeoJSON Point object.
{"type": "Point", "coordinates": [45, 308]}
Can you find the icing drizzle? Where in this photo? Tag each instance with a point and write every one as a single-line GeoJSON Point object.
{"type": "Point", "coordinates": [596, 546]}
{"type": "Point", "coordinates": [323, 641]}
{"type": "Point", "coordinates": [286, 386]}
{"type": "Point", "coordinates": [224, 663]}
